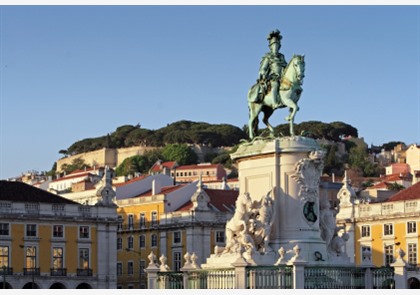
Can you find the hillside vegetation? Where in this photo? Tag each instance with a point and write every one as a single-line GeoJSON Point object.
{"type": "Point", "coordinates": [188, 132]}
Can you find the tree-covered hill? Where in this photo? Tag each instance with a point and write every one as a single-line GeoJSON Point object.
{"type": "Point", "coordinates": [188, 132]}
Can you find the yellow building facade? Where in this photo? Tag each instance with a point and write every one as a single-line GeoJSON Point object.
{"type": "Point", "coordinates": [47, 241]}
{"type": "Point", "coordinates": [384, 228]}
{"type": "Point", "coordinates": [169, 224]}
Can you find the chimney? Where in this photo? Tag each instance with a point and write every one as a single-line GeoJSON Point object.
{"type": "Point", "coordinates": [156, 187]}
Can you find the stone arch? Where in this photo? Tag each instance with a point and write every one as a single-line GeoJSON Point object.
{"type": "Point", "coordinates": [58, 285]}
{"type": "Point", "coordinates": [30, 285]}
{"type": "Point", "coordinates": [413, 283]}
{"type": "Point", "coordinates": [84, 286]}
{"type": "Point", "coordinates": [8, 286]}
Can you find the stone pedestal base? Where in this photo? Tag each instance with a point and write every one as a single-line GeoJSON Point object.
{"type": "Point", "coordinates": [227, 259]}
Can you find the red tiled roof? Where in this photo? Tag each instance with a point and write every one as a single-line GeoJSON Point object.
{"type": "Point", "coordinates": [220, 199]}
{"type": "Point", "coordinates": [159, 167]}
{"type": "Point", "coordinates": [131, 180]}
{"type": "Point", "coordinates": [382, 184]}
{"type": "Point", "coordinates": [411, 193]}
{"type": "Point", "coordinates": [70, 176]}
{"type": "Point", "coordinates": [396, 176]}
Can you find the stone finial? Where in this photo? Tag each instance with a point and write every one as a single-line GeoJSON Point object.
{"type": "Point", "coordinates": [194, 258]}
{"type": "Point", "coordinates": [281, 259]}
{"type": "Point", "coordinates": [152, 258]}
{"type": "Point", "coordinates": [163, 265]}
{"type": "Point", "coordinates": [296, 249]}
{"type": "Point", "coordinates": [187, 258]}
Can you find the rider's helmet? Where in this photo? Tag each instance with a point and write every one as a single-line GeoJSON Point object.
{"type": "Point", "coordinates": [274, 36]}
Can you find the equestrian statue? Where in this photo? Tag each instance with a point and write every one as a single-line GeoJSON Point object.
{"type": "Point", "coordinates": [279, 85]}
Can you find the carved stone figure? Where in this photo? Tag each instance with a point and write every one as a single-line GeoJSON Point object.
{"type": "Point", "coordinates": [327, 222]}
{"type": "Point", "coordinates": [238, 223]}
{"type": "Point", "coordinates": [249, 229]}
{"type": "Point", "coordinates": [278, 86]}
{"type": "Point", "coordinates": [338, 243]}
{"type": "Point", "coordinates": [262, 224]}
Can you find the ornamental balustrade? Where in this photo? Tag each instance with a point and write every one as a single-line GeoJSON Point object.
{"type": "Point", "coordinates": [191, 276]}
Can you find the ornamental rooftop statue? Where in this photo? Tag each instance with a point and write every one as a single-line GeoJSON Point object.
{"type": "Point", "coordinates": [278, 86]}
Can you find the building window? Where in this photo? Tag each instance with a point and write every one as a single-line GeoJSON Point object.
{"type": "Point", "coordinates": [142, 268]}
{"type": "Point", "coordinates": [154, 218]}
{"type": "Point", "coordinates": [30, 261]}
{"type": "Point", "coordinates": [388, 208]}
{"type": "Point", "coordinates": [388, 229]}
{"type": "Point", "coordinates": [154, 241]}
{"type": "Point", "coordinates": [58, 262]}
{"type": "Point", "coordinates": [412, 253]}
{"type": "Point", "coordinates": [84, 232]}
{"type": "Point", "coordinates": [142, 219]}
{"type": "Point", "coordinates": [389, 254]}
{"type": "Point", "coordinates": [410, 206]}
{"type": "Point", "coordinates": [4, 256]}
{"type": "Point", "coordinates": [84, 258]}
{"type": "Point", "coordinates": [142, 241]}
{"type": "Point", "coordinates": [130, 221]}
{"type": "Point", "coordinates": [4, 229]}
{"type": "Point", "coordinates": [177, 261]}
{"type": "Point", "coordinates": [58, 231]}
{"type": "Point", "coordinates": [119, 269]}
{"type": "Point", "coordinates": [119, 244]}
{"type": "Point", "coordinates": [177, 237]}
{"type": "Point", "coordinates": [120, 223]}
{"type": "Point", "coordinates": [411, 227]}
{"type": "Point", "coordinates": [130, 268]}
{"type": "Point", "coordinates": [365, 231]}
{"type": "Point", "coordinates": [130, 242]}
{"type": "Point", "coordinates": [220, 237]}
{"type": "Point", "coordinates": [31, 230]}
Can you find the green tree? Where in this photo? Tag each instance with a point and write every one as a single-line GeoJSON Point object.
{"type": "Point", "coordinates": [359, 159]}
{"type": "Point", "coordinates": [132, 165]}
{"type": "Point", "coordinates": [76, 164]}
{"type": "Point", "coordinates": [395, 186]}
{"type": "Point", "coordinates": [332, 163]}
{"type": "Point", "coordinates": [180, 153]}
{"type": "Point", "coordinates": [53, 170]}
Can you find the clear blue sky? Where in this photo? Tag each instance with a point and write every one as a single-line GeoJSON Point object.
{"type": "Point", "coordinates": [73, 72]}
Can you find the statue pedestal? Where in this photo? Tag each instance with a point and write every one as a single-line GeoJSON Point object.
{"type": "Point", "coordinates": [271, 164]}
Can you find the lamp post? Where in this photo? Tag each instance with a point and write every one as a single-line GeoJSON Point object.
{"type": "Point", "coordinates": [138, 253]}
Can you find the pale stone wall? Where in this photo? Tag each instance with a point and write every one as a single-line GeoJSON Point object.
{"type": "Point", "coordinates": [105, 157]}
{"type": "Point", "coordinates": [124, 153]}
{"type": "Point", "coordinates": [102, 157]}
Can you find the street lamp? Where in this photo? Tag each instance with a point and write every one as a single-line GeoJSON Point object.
{"type": "Point", "coordinates": [140, 272]}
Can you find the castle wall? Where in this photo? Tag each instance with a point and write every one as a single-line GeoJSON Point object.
{"type": "Point", "coordinates": [105, 157]}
